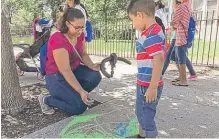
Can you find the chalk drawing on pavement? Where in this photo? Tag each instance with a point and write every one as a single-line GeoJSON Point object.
{"type": "Point", "coordinates": [87, 126]}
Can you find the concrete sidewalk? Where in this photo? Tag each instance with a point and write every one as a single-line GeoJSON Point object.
{"type": "Point", "coordinates": [182, 112]}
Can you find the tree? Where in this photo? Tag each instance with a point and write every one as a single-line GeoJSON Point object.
{"type": "Point", "coordinates": [54, 5]}
{"type": "Point", "coordinates": [24, 11]}
{"type": "Point", "coordinates": [107, 13]}
{"type": "Point", "coordinates": [11, 101]}
{"type": "Point", "coordinates": [100, 10]}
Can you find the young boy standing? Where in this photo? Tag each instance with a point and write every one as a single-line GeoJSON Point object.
{"type": "Point", "coordinates": [150, 49]}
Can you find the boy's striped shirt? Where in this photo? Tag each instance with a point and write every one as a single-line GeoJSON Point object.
{"type": "Point", "coordinates": [151, 43]}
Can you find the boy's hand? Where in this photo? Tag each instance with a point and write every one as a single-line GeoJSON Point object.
{"type": "Point", "coordinates": [151, 95]}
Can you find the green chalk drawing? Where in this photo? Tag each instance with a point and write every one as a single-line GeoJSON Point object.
{"type": "Point", "coordinates": [132, 128]}
{"type": "Point", "coordinates": [73, 130]}
{"type": "Point", "coordinates": [76, 120]}
{"type": "Point", "coordinates": [127, 128]}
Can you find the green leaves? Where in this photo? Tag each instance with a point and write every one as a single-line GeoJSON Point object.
{"type": "Point", "coordinates": [100, 10]}
{"type": "Point", "coordinates": [24, 11]}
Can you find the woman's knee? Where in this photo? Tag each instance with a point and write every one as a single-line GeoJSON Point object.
{"type": "Point", "coordinates": [95, 77]}
{"type": "Point", "coordinates": [98, 77]}
{"type": "Point", "coordinates": [79, 109]}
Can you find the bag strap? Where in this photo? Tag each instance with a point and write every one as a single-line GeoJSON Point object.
{"type": "Point", "coordinates": [74, 49]}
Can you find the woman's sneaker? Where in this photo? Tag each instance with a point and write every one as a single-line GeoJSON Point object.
{"type": "Point", "coordinates": [44, 107]}
{"type": "Point", "coordinates": [192, 77]}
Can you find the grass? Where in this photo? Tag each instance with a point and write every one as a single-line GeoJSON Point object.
{"type": "Point", "coordinates": [204, 50]}
{"type": "Point", "coordinates": [201, 51]}
{"type": "Point", "coordinates": [125, 48]}
{"type": "Point", "coordinates": [28, 40]}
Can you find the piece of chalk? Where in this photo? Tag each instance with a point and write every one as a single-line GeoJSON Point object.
{"type": "Point", "coordinates": [90, 100]}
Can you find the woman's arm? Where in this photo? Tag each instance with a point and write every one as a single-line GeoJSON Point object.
{"type": "Point", "coordinates": [177, 16]}
{"type": "Point", "coordinates": [61, 57]}
{"type": "Point", "coordinates": [86, 58]}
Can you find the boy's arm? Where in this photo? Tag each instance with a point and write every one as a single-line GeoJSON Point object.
{"type": "Point", "coordinates": [156, 71]}
{"type": "Point", "coordinates": [155, 50]}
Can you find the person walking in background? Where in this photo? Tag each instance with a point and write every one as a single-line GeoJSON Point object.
{"type": "Point", "coordinates": [180, 21]}
{"type": "Point", "coordinates": [170, 55]}
{"type": "Point", "coordinates": [171, 52]}
{"type": "Point", "coordinates": [160, 13]}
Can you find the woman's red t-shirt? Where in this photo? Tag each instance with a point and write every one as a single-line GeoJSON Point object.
{"type": "Point", "coordinates": [58, 40]}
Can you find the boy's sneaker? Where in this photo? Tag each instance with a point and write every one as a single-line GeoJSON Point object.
{"type": "Point", "coordinates": [44, 107]}
{"type": "Point", "coordinates": [192, 77]}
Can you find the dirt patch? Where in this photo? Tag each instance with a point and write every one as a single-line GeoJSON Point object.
{"type": "Point", "coordinates": [31, 118]}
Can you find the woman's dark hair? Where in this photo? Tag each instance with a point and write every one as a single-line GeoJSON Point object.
{"type": "Point", "coordinates": [69, 15]}
{"type": "Point", "coordinates": [159, 4]}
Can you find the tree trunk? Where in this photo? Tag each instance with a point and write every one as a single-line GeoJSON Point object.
{"type": "Point", "coordinates": [35, 15]}
{"type": "Point", "coordinates": [54, 5]}
{"type": "Point", "coordinates": [42, 14]}
{"type": "Point", "coordinates": [53, 14]}
{"type": "Point", "coordinates": [12, 101]}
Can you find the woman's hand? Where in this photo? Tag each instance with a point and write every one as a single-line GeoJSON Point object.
{"type": "Point", "coordinates": [84, 96]}
{"type": "Point", "coordinates": [96, 67]}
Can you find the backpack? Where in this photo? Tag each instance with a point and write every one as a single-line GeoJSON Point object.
{"type": "Point", "coordinates": [191, 32]}
{"type": "Point", "coordinates": [43, 59]}
{"type": "Point", "coordinates": [89, 31]}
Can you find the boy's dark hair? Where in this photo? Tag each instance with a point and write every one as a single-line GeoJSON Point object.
{"type": "Point", "coordinates": [159, 4]}
{"type": "Point", "coordinates": [70, 15]}
{"type": "Point", "coordinates": [145, 6]}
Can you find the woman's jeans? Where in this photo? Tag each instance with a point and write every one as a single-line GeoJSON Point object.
{"type": "Point", "coordinates": [171, 56]}
{"type": "Point", "coordinates": [63, 96]}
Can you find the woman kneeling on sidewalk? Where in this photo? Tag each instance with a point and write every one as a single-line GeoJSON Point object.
{"type": "Point", "coordinates": [68, 81]}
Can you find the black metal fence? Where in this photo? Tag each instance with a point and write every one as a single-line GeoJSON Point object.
{"type": "Point", "coordinates": [119, 37]}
